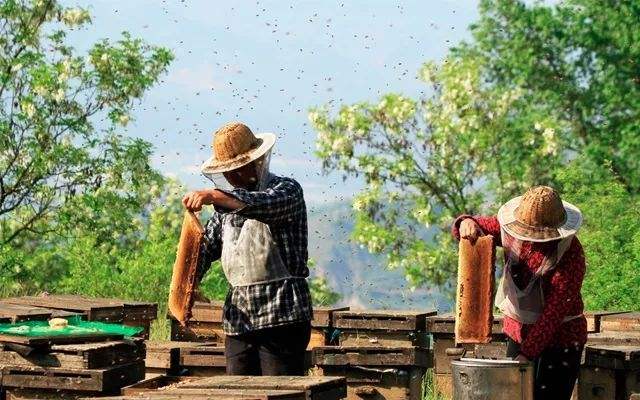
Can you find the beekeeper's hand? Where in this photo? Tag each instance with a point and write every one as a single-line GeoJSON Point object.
{"type": "Point", "coordinates": [193, 201]}
{"type": "Point", "coordinates": [470, 230]}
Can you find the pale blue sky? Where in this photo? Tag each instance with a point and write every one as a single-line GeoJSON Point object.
{"type": "Point", "coordinates": [266, 63]}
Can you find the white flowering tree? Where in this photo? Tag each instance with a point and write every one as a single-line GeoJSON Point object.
{"type": "Point", "coordinates": [424, 161]}
{"type": "Point", "coordinates": [58, 169]}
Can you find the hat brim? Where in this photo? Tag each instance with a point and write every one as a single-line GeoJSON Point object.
{"type": "Point", "coordinates": [508, 221]}
{"type": "Point", "coordinates": [213, 166]}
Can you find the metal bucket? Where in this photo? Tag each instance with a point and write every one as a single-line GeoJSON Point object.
{"type": "Point", "coordinates": [479, 379]}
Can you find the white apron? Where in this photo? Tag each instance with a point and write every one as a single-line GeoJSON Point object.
{"type": "Point", "coordinates": [249, 254]}
{"type": "Point", "coordinates": [526, 305]}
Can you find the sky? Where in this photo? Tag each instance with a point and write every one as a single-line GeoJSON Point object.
{"type": "Point", "coordinates": [266, 63]}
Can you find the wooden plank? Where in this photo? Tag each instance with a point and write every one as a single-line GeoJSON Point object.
{"type": "Point", "coordinates": [198, 332]}
{"type": "Point", "coordinates": [323, 316]}
{"type": "Point", "coordinates": [94, 380]}
{"type": "Point", "coordinates": [614, 338]}
{"type": "Point", "coordinates": [442, 361]}
{"type": "Point", "coordinates": [17, 313]}
{"type": "Point", "coordinates": [39, 341]}
{"type": "Point", "coordinates": [218, 394]}
{"type": "Point", "coordinates": [47, 394]}
{"type": "Point", "coordinates": [370, 338]}
{"type": "Point", "coordinates": [494, 350]}
{"type": "Point", "coordinates": [445, 324]}
{"type": "Point", "coordinates": [202, 356]}
{"type": "Point", "coordinates": [621, 322]}
{"type": "Point", "coordinates": [94, 310]}
{"type": "Point", "coordinates": [593, 319]}
{"type": "Point", "coordinates": [316, 388]}
{"type": "Point", "coordinates": [613, 357]}
{"type": "Point", "coordinates": [317, 338]}
{"type": "Point", "coordinates": [86, 356]}
{"type": "Point", "coordinates": [387, 384]}
{"type": "Point", "coordinates": [372, 356]}
{"type": "Point", "coordinates": [406, 320]}
{"type": "Point", "coordinates": [165, 354]}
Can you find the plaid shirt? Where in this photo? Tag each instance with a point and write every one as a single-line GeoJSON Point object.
{"type": "Point", "coordinates": [281, 206]}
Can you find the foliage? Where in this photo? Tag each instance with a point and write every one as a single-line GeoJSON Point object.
{"type": "Point", "coordinates": [57, 169]}
{"type": "Point", "coordinates": [537, 86]}
{"type": "Point", "coordinates": [321, 293]}
{"type": "Point", "coordinates": [610, 235]}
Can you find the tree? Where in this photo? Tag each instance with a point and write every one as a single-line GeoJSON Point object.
{"type": "Point", "coordinates": [579, 61]}
{"type": "Point", "coordinates": [610, 235]}
{"type": "Point", "coordinates": [426, 161]}
{"type": "Point", "coordinates": [537, 86]}
{"type": "Point", "coordinates": [62, 160]}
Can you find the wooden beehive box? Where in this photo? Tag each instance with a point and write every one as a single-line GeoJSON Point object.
{"type": "Point", "coordinates": [273, 387]}
{"type": "Point", "coordinates": [594, 317]}
{"type": "Point", "coordinates": [614, 338]}
{"type": "Point", "coordinates": [383, 328]}
{"type": "Point", "coordinates": [203, 360]}
{"type": "Point", "coordinates": [133, 313]}
{"type": "Point", "coordinates": [322, 326]}
{"type": "Point", "coordinates": [205, 324]}
{"type": "Point", "coordinates": [77, 356]}
{"type": "Point", "coordinates": [609, 372]}
{"type": "Point", "coordinates": [150, 385]}
{"type": "Point", "coordinates": [375, 372]}
{"type": "Point", "coordinates": [163, 357]}
{"type": "Point", "coordinates": [625, 322]}
{"type": "Point", "coordinates": [103, 380]}
{"type": "Point", "coordinates": [209, 394]}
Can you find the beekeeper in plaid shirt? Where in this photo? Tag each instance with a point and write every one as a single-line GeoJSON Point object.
{"type": "Point", "coordinates": [259, 232]}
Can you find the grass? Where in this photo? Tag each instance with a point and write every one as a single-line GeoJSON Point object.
{"type": "Point", "coordinates": [429, 391]}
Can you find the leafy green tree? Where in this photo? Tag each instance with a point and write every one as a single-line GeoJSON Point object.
{"type": "Point", "coordinates": [579, 61]}
{"type": "Point", "coordinates": [62, 161]}
{"type": "Point", "coordinates": [426, 161]}
{"type": "Point", "coordinates": [536, 86]}
{"type": "Point", "coordinates": [610, 235]}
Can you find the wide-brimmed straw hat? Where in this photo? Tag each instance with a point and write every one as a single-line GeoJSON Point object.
{"type": "Point", "coordinates": [539, 216]}
{"type": "Point", "coordinates": [234, 146]}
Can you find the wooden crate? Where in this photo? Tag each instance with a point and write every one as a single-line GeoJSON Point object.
{"type": "Point", "coordinates": [314, 387]}
{"type": "Point", "coordinates": [627, 322]}
{"type": "Point", "coordinates": [78, 356]}
{"type": "Point", "coordinates": [323, 316]}
{"type": "Point", "coordinates": [597, 383]}
{"type": "Point", "coordinates": [217, 394]}
{"type": "Point", "coordinates": [613, 357]}
{"type": "Point", "coordinates": [96, 309]}
{"type": "Point", "coordinates": [203, 360]}
{"type": "Point", "coordinates": [107, 380]}
{"type": "Point", "coordinates": [594, 317]}
{"type": "Point", "coordinates": [403, 383]}
{"type": "Point", "coordinates": [197, 331]}
{"type": "Point", "coordinates": [164, 356]}
{"type": "Point", "coordinates": [384, 338]}
{"type": "Point", "coordinates": [388, 320]}
{"type": "Point", "coordinates": [441, 360]}
{"type": "Point", "coordinates": [372, 356]}
{"type": "Point", "coordinates": [494, 350]}
{"type": "Point", "coordinates": [11, 313]}
{"type": "Point", "coordinates": [445, 323]}
{"type": "Point", "coordinates": [46, 394]}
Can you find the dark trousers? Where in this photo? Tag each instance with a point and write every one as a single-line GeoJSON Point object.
{"type": "Point", "coordinates": [555, 370]}
{"type": "Point", "coordinates": [271, 351]}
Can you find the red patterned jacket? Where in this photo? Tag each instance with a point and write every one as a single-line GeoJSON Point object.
{"type": "Point", "coordinates": [561, 288]}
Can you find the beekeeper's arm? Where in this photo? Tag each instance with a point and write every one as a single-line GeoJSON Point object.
{"type": "Point", "coordinates": [464, 227]}
{"type": "Point", "coordinates": [276, 205]}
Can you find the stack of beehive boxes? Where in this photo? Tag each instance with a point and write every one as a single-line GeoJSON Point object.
{"type": "Point", "coordinates": [442, 329]}
{"type": "Point", "coordinates": [611, 368]}
{"type": "Point", "coordinates": [382, 354]}
{"type": "Point", "coordinates": [69, 370]}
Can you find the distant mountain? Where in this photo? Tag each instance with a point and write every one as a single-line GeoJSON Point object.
{"type": "Point", "coordinates": [361, 278]}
